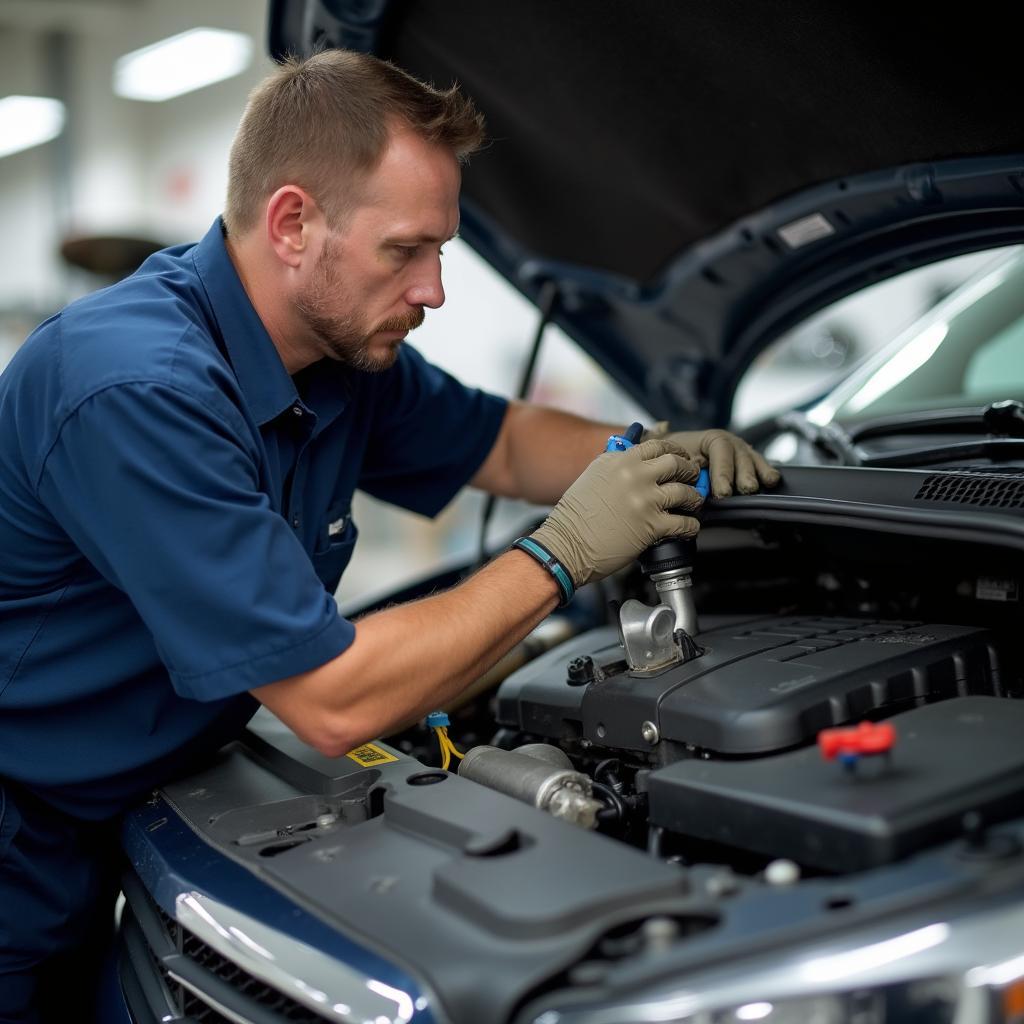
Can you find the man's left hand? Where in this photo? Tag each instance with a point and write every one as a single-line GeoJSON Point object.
{"type": "Point", "coordinates": [732, 464]}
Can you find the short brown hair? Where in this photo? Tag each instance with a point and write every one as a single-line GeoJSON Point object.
{"type": "Point", "coordinates": [323, 122]}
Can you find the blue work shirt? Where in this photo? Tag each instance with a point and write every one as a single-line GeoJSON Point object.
{"type": "Point", "coordinates": [175, 518]}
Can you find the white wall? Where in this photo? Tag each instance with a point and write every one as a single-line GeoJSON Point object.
{"type": "Point", "coordinates": [187, 139]}
{"type": "Point", "coordinates": [29, 274]}
{"type": "Point", "coordinates": [151, 169]}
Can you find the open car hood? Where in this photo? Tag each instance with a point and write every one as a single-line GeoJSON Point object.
{"type": "Point", "coordinates": [694, 179]}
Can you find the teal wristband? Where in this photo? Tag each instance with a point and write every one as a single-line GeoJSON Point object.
{"type": "Point", "coordinates": [541, 554]}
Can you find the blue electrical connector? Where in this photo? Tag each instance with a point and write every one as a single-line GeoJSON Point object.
{"type": "Point", "coordinates": [620, 442]}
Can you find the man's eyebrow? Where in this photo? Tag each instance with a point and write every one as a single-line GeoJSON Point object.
{"type": "Point", "coordinates": [419, 239]}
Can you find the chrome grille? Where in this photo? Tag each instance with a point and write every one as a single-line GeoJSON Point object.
{"type": "Point", "coordinates": [241, 981]}
{"type": "Point", "coordinates": [217, 991]}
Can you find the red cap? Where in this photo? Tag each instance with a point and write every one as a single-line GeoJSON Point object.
{"type": "Point", "coordinates": [864, 739]}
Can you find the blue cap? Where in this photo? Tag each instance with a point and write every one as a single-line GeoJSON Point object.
{"type": "Point", "coordinates": [703, 484]}
{"type": "Point", "coordinates": [437, 718]}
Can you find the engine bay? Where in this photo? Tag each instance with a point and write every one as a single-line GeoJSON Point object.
{"type": "Point", "coordinates": [710, 746]}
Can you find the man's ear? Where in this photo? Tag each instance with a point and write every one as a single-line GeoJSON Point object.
{"type": "Point", "coordinates": [292, 216]}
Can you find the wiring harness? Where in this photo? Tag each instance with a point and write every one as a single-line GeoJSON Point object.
{"type": "Point", "coordinates": [438, 721]}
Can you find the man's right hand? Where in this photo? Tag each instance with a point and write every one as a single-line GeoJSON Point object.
{"type": "Point", "coordinates": [618, 507]}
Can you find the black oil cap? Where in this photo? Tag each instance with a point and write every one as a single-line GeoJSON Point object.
{"type": "Point", "coordinates": [677, 553]}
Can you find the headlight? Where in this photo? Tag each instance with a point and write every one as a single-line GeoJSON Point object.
{"type": "Point", "coordinates": [967, 970]}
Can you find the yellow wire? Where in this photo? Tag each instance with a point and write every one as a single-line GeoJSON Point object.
{"type": "Point", "coordinates": [454, 749]}
{"type": "Point", "coordinates": [447, 746]}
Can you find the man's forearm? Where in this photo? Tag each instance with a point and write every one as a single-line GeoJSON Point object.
{"type": "Point", "coordinates": [413, 658]}
{"type": "Point", "coordinates": [541, 451]}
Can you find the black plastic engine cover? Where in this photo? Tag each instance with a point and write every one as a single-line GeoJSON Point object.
{"type": "Point", "coordinates": [761, 687]}
{"type": "Point", "coordinates": [950, 758]}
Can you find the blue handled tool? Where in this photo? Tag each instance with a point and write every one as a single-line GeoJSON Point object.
{"type": "Point", "coordinates": [632, 435]}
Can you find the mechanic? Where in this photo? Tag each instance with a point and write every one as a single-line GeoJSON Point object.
{"type": "Point", "coordinates": [178, 455]}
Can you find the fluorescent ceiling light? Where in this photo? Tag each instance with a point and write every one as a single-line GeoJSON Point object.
{"type": "Point", "coordinates": [182, 63]}
{"type": "Point", "coordinates": [27, 121]}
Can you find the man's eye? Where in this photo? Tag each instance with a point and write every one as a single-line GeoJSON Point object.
{"type": "Point", "coordinates": [407, 251]}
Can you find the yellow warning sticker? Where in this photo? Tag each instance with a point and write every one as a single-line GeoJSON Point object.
{"type": "Point", "coordinates": [369, 755]}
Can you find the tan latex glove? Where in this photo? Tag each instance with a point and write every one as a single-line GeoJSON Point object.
{"type": "Point", "coordinates": [732, 464]}
{"type": "Point", "coordinates": [618, 507]}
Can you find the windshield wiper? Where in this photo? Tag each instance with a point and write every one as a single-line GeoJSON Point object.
{"type": "Point", "coordinates": [995, 449]}
{"type": "Point", "coordinates": [1003, 419]}
{"type": "Point", "coordinates": [1001, 422]}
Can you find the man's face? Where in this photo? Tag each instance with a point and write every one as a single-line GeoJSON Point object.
{"type": "Point", "coordinates": [374, 277]}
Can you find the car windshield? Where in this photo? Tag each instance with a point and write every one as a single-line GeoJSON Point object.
{"type": "Point", "coordinates": [967, 351]}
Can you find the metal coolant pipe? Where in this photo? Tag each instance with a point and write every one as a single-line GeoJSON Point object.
{"type": "Point", "coordinates": [537, 774]}
{"type": "Point", "coordinates": [669, 566]}
{"type": "Point", "coordinates": [675, 589]}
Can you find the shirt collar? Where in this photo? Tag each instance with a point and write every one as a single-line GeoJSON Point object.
{"type": "Point", "coordinates": [262, 376]}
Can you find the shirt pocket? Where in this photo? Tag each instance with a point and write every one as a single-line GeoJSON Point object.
{"type": "Point", "coordinates": [20, 625]}
{"type": "Point", "coordinates": [336, 539]}
{"type": "Point", "coordinates": [10, 820]}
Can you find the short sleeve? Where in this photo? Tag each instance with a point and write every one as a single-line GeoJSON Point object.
{"type": "Point", "coordinates": [160, 491]}
{"type": "Point", "coordinates": [429, 435]}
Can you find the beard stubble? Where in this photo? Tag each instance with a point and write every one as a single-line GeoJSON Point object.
{"type": "Point", "coordinates": [347, 336]}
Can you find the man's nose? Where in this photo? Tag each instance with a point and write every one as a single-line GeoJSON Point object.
{"type": "Point", "coordinates": [427, 289]}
